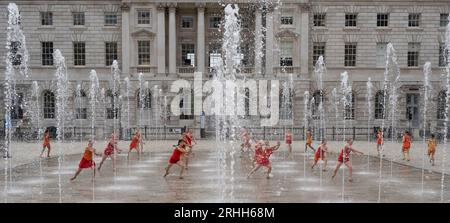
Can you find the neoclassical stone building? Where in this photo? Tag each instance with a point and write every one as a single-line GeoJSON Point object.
{"type": "Point", "coordinates": [169, 40]}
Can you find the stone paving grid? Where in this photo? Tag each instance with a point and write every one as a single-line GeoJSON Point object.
{"type": "Point", "coordinates": [142, 181]}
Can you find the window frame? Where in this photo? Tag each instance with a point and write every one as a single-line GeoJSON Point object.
{"type": "Point", "coordinates": [319, 19]}
{"type": "Point", "coordinates": [142, 53]}
{"type": "Point", "coordinates": [383, 19]}
{"type": "Point", "coordinates": [111, 52]}
{"type": "Point", "coordinates": [110, 16]}
{"type": "Point", "coordinates": [79, 18]}
{"type": "Point", "coordinates": [79, 53]}
{"type": "Point", "coordinates": [46, 18]}
{"type": "Point", "coordinates": [350, 54]}
{"type": "Point", "coordinates": [351, 22]}
{"type": "Point", "coordinates": [47, 53]}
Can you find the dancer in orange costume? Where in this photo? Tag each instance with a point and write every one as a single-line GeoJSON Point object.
{"type": "Point", "coordinates": [406, 145]}
{"type": "Point", "coordinates": [134, 144]}
{"type": "Point", "coordinates": [87, 161]}
{"type": "Point", "coordinates": [176, 158]}
{"type": "Point", "coordinates": [46, 143]}
{"type": "Point", "coordinates": [432, 143]}
{"type": "Point", "coordinates": [344, 157]}
{"type": "Point", "coordinates": [262, 159]}
{"type": "Point", "coordinates": [309, 141]}
{"type": "Point", "coordinates": [321, 153]}
{"type": "Point", "coordinates": [288, 141]}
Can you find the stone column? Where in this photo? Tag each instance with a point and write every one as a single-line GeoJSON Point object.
{"type": "Point", "coordinates": [161, 39]}
{"type": "Point", "coordinates": [172, 40]}
{"type": "Point", "coordinates": [125, 39]}
{"type": "Point", "coordinates": [258, 42]}
{"type": "Point", "coordinates": [200, 37]}
{"type": "Point", "coordinates": [304, 41]}
{"type": "Point", "coordinates": [269, 42]}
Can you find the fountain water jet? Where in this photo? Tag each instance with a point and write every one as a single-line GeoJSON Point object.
{"type": "Point", "coordinates": [426, 96]}
{"type": "Point", "coordinates": [61, 104]}
{"type": "Point", "coordinates": [93, 99]}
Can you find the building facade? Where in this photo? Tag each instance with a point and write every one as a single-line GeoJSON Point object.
{"type": "Point", "coordinates": [170, 40]}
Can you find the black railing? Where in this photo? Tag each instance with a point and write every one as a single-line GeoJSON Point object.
{"type": "Point", "coordinates": [172, 132]}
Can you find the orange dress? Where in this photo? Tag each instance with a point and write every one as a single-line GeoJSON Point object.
{"type": "Point", "coordinates": [431, 146]}
{"type": "Point", "coordinates": [46, 142]}
{"type": "Point", "coordinates": [288, 138]}
{"type": "Point", "coordinates": [87, 161]}
{"type": "Point", "coordinates": [134, 142]}
{"type": "Point", "coordinates": [406, 143]}
{"type": "Point", "coordinates": [379, 139]}
{"type": "Point", "coordinates": [309, 139]}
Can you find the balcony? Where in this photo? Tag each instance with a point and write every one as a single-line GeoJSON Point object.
{"type": "Point", "coordinates": [280, 71]}
{"type": "Point", "coordinates": [144, 70]}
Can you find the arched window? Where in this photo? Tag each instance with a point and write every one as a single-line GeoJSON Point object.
{"type": "Point", "coordinates": [349, 113]}
{"type": "Point", "coordinates": [318, 98]}
{"type": "Point", "coordinates": [16, 110]}
{"type": "Point", "coordinates": [186, 104]}
{"type": "Point", "coordinates": [112, 107]}
{"type": "Point", "coordinates": [379, 106]}
{"type": "Point", "coordinates": [286, 96]}
{"type": "Point", "coordinates": [441, 105]}
{"type": "Point", "coordinates": [49, 104]}
{"type": "Point", "coordinates": [146, 100]}
{"type": "Point", "coordinates": [81, 103]}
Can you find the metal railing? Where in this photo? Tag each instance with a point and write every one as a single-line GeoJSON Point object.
{"type": "Point", "coordinates": [27, 134]}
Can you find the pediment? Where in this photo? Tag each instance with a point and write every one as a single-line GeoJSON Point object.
{"type": "Point", "coordinates": [287, 33]}
{"type": "Point", "coordinates": [143, 33]}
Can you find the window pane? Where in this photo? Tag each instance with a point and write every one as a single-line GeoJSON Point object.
{"type": "Point", "coordinates": [47, 53]}
{"type": "Point", "coordinates": [110, 52]}
{"type": "Point", "coordinates": [144, 17]}
{"type": "Point", "coordinates": [110, 19]}
{"type": "Point", "coordinates": [382, 19]}
{"type": "Point", "coordinates": [350, 55]}
{"type": "Point", "coordinates": [46, 18]}
{"type": "Point", "coordinates": [144, 52]}
{"type": "Point", "coordinates": [318, 50]}
{"type": "Point", "coordinates": [79, 54]}
{"type": "Point", "coordinates": [78, 18]}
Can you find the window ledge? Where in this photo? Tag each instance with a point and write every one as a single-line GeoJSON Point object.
{"type": "Point", "coordinates": [351, 28]}
{"type": "Point", "coordinates": [46, 27]}
{"type": "Point", "coordinates": [110, 27]}
{"type": "Point", "coordinates": [79, 67]}
{"type": "Point", "coordinates": [78, 28]}
{"type": "Point", "coordinates": [287, 26]}
{"type": "Point", "coordinates": [414, 29]}
{"type": "Point", "coordinates": [383, 29]}
{"type": "Point", "coordinates": [442, 28]}
{"type": "Point", "coordinates": [320, 28]}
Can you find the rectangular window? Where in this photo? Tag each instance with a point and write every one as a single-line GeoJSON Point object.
{"type": "Point", "coordinates": [110, 19]}
{"type": "Point", "coordinates": [350, 19]}
{"type": "Point", "coordinates": [188, 54]}
{"type": "Point", "coordinates": [46, 18]}
{"type": "Point", "coordinates": [350, 55]}
{"type": "Point", "coordinates": [47, 53]}
{"type": "Point", "coordinates": [143, 52]}
{"type": "Point", "coordinates": [81, 113]}
{"type": "Point", "coordinates": [16, 58]}
{"type": "Point", "coordinates": [442, 55]}
{"type": "Point", "coordinates": [413, 54]}
{"type": "Point", "coordinates": [112, 113]}
{"type": "Point", "coordinates": [144, 17]}
{"type": "Point", "coordinates": [382, 19]}
{"type": "Point", "coordinates": [214, 22]}
{"type": "Point", "coordinates": [215, 56]}
{"type": "Point", "coordinates": [414, 20]}
{"type": "Point", "coordinates": [187, 22]}
{"type": "Point", "coordinates": [286, 48]}
{"type": "Point", "coordinates": [78, 18]}
{"type": "Point", "coordinates": [287, 18]}
{"type": "Point", "coordinates": [318, 50]}
{"type": "Point", "coordinates": [16, 109]}
{"type": "Point", "coordinates": [443, 21]}
{"type": "Point", "coordinates": [381, 54]}
{"type": "Point", "coordinates": [319, 19]}
{"type": "Point", "coordinates": [110, 52]}
{"type": "Point", "coordinates": [79, 54]}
